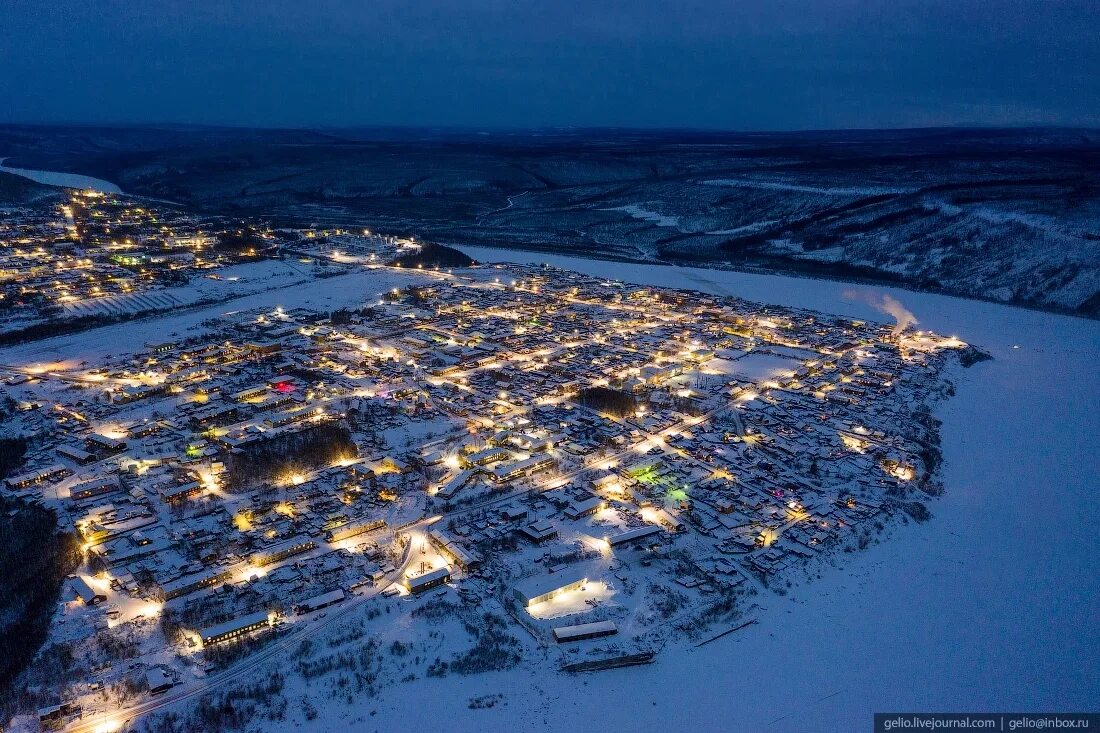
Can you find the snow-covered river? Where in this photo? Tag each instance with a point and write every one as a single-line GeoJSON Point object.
{"type": "Point", "coordinates": [69, 180]}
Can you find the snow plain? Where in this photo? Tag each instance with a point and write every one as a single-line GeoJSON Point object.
{"type": "Point", "coordinates": [352, 289]}
{"type": "Point", "coordinates": [219, 285]}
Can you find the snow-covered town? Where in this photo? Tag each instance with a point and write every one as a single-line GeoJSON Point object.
{"type": "Point", "coordinates": [93, 256]}
{"type": "Point", "coordinates": [488, 366]}
{"type": "Point", "coordinates": [548, 465]}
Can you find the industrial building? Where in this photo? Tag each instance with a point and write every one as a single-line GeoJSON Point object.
{"type": "Point", "coordinates": [580, 632]}
{"type": "Point", "coordinates": [543, 588]}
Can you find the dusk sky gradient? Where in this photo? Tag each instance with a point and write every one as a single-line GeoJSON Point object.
{"type": "Point", "coordinates": [740, 64]}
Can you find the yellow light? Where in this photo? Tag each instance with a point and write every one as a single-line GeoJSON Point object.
{"type": "Point", "coordinates": [902, 472]}
{"type": "Point", "coordinates": [252, 571]}
{"type": "Point", "coordinates": [151, 609]}
{"type": "Point", "coordinates": [852, 443]}
{"type": "Point", "coordinates": [208, 480]}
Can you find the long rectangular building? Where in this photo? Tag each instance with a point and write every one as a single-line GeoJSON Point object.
{"type": "Point", "coordinates": [87, 595]}
{"type": "Point", "coordinates": [578, 509]}
{"type": "Point", "coordinates": [190, 583]}
{"type": "Point", "coordinates": [512, 470]}
{"type": "Point", "coordinates": [177, 494]}
{"type": "Point", "coordinates": [489, 455]}
{"type": "Point", "coordinates": [235, 628]}
{"type": "Point", "coordinates": [95, 487]}
{"type": "Point", "coordinates": [634, 535]}
{"type": "Point", "coordinates": [580, 632]}
{"type": "Point", "coordinates": [73, 453]}
{"type": "Point", "coordinates": [543, 588]}
{"type": "Point", "coordinates": [454, 484]}
{"type": "Point", "coordinates": [289, 548]}
{"type": "Point", "coordinates": [352, 529]}
{"type": "Point", "coordinates": [322, 601]}
{"type": "Point", "coordinates": [430, 579]}
{"type": "Point", "coordinates": [36, 477]}
{"type": "Point", "coordinates": [453, 551]}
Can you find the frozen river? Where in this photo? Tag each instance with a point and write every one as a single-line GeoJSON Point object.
{"type": "Point", "coordinates": [69, 180]}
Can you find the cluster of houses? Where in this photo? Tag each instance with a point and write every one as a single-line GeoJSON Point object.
{"type": "Point", "coordinates": [97, 253]}
{"type": "Point", "coordinates": [270, 467]}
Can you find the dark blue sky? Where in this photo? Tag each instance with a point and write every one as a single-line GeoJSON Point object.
{"type": "Point", "coordinates": [740, 64]}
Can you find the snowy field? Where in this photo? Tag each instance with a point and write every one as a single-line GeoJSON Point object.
{"type": "Point", "coordinates": [356, 288]}
{"type": "Point", "coordinates": [638, 212]}
{"type": "Point", "coordinates": [825, 191]}
{"type": "Point", "coordinates": [755, 367]}
{"type": "Point", "coordinates": [216, 285]}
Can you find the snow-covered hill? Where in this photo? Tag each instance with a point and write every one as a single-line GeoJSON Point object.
{"type": "Point", "coordinates": [1009, 215]}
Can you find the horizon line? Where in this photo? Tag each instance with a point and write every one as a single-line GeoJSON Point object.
{"type": "Point", "coordinates": [479, 129]}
